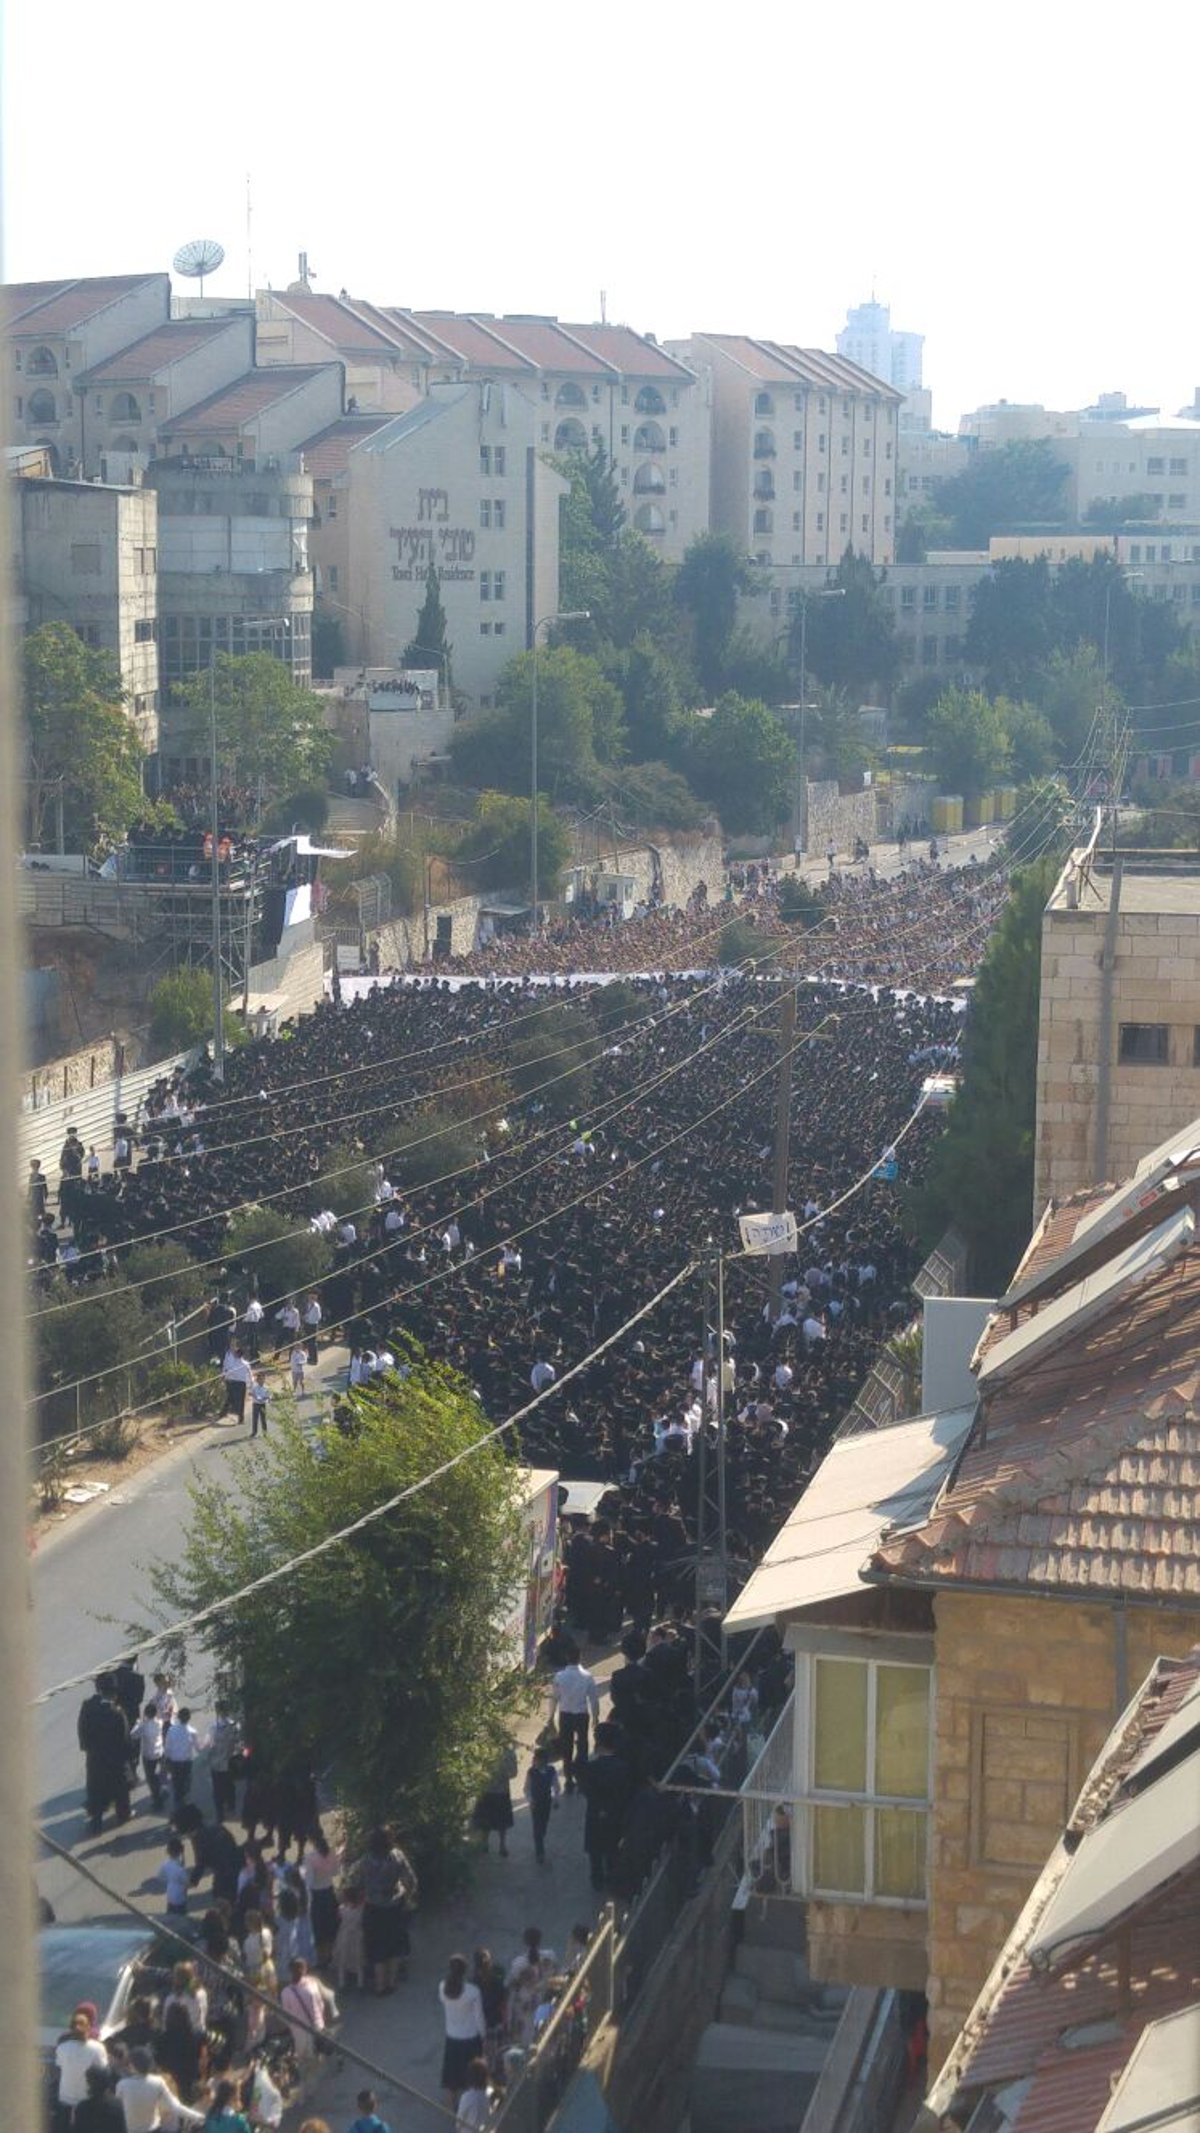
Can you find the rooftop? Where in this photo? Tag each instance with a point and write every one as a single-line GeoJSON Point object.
{"type": "Point", "coordinates": [155, 351]}
{"type": "Point", "coordinates": [325, 455]}
{"type": "Point", "coordinates": [47, 307]}
{"type": "Point", "coordinates": [342, 323]}
{"type": "Point", "coordinates": [245, 398]}
{"type": "Point", "coordinates": [1165, 883]}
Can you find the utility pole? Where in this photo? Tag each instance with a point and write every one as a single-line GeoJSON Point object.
{"type": "Point", "coordinates": [783, 1136]}
{"type": "Point", "coordinates": [218, 979]}
{"type": "Point", "coordinates": [712, 1555]}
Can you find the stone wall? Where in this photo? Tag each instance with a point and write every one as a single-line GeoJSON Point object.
{"type": "Point", "coordinates": [78, 1072]}
{"type": "Point", "coordinates": [1154, 981]}
{"type": "Point", "coordinates": [837, 818]}
{"type": "Point", "coordinates": [1027, 1692]}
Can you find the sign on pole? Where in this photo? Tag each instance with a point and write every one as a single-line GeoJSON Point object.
{"type": "Point", "coordinates": [766, 1235]}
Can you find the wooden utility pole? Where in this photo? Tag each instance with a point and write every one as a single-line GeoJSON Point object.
{"type": "Point", "coordinates": [783, 1134]}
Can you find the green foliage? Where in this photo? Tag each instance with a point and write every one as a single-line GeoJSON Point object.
{"type": "Point", "coordinates": [739, 944]}
{"type": "Point", "coordinates": [713, 573]}
{"type": "Point", "coordinates": [1111, 514]}
{"type": "Point", "coordinates": [390, 1653]}
{"type": "Point", "coordinates": [306, 809]}
{"type": "Point", "coordinates": [756, 669]}
{"type": "Point", "coordinates": [1032, 748]}
{"type": "Point", "coordinates": [170, 1280]}
{"type": "Point", "coordinates": [980, 1174]}
{"type": "Point", "coordinates": [833, 735]}
{"type": "Point", "coordinates": [271, 734]}
{"type": "Point", "coordinates": [433, 1142]}
{"type": "Point", "coordinates": [429, 648]}
{"type": "Point", "coordinates": [1071, 688]}
{"type": "Point", "coordinates": [798, 906]}
{"type": "Point", "coordinates": [275, 1252]}
{"type": "Point", "coordinates": [497, 845]}
{"type": "Point", "coordinates": [743, 761]}
{"type": "Point", "coordinates": [1010, 490]}
{"type": "Point", "coordinates": [188, 1392]}
{"type": "Point", "coordinates": [851, 640]}
{"type": "Point", "coordinates": [78, 742]}
{"type": "Point", "coordinates": [1023, 614]}
{"type": "Point", "coordinates": [968, 742]}
{"type": "Point", "coordinates": [181, 1009]}
{"type": "Point", "coordinates": [921, 529]}
{"type": "Point", "coordinates": [104, 1328]}
{"type": "Point", "coordinates": [615, 1006]}
{"type": "Point", "coordinates": [552, 1062]}
{"type": "Point", "coordinates": [648, 679]}
{"type": "Point", "coordinates": [581, 723]}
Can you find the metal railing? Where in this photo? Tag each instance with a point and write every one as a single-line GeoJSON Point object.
{"type": "Point", "coordinates": [767, 1841]}
{"type": "Point", "coordinates": [587, 2000]}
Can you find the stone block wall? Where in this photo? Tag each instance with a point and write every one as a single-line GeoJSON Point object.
{"type": "Point", "coordinates": [75, 1074]}
{"type": "Point", "coordinates": [1156, 979]}
{"type": "Point", "coordinates": [1027, 1691]}
{"type": "Point", "coordinates": [837, 818]}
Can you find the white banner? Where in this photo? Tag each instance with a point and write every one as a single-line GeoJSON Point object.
{"type": "Point", "coordinates": [768, 1234]}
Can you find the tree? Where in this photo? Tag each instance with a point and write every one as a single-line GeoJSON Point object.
{"type": "Point", "coordinates": [1012, 630]}
{"type": "Point", "coordinates": [851, 640]}
{"type": "Point", "coordinates": [980, 1174]}
{"type": "Point", "coordinates": [921, 529]}
{"type": "Point", "coordinates": [553, 1059]}
{"type": "Point", "coordinates": [833, 734]}
{"type": "Point", "coordinates": [181, 1009]}
{"type": "Point", "coordinates": [279, 1256]}
{"type": "Point", "coordinates": [649, 683]}
{"type": "Point", "coordinates": [79, 744]}
{"type": "Point", "coordinates": [1014, 488]}
{"type": "Point", "coordinates": [581, 722]}
{"type": "Point", "coordinates": [387, 1661]}
{"type": "Point", "coordinates": [712, 575]}
{"type": "Point", "coordinates": [497, 845]}
{"type": "Point", "coordinates": [744, 762]}
{"type": "Point", "coordinates": [654, 796]}
{"type": "Point", "coordinates": [1111, 514]}
{"type": "Point", "coordinates": [271, 733]}
{"type": "Point", "coordinates": [1032, 749]}
{"type": "Point", "coordinates": [429, 648]}
{"type": "Point", "coordinates": [1069, 690]}
{"type": "Point", "coordinates": [328, 643]}
{"type": "Point", "coordinates": [967, 742]}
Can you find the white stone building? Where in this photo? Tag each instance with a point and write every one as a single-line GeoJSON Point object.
{"type": "Point", "coordinates": [804, 453]}
{"type": "Point", "coordinates": [55, 332]}
{"type": "Point", "coordinates": [127, 399]}
{"type": "Point", "coordinates": [460, 482]}
{"type": "Point", "coordinates": [87, 556]}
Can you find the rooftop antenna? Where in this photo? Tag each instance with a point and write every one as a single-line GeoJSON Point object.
{"type": "Point", "coordinates": [200, 256]}
{"type": "Point", "coordinates": [604, 307]}
{"type": "Point", "coordinates": [249, 242]}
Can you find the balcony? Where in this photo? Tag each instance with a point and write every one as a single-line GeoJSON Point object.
{"type": "Point", "coordinates": [764, 448]}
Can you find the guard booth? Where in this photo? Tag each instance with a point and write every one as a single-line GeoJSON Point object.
{"type": "Point", "coordinates": [617, 892]}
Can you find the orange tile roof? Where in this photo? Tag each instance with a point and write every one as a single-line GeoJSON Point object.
{"type": "Point", "coordinates": [341, 323]}
{"type": "Point", "coordinates": [476, 341]}
{"type": "Point", "coordinates": [156, 350]}
{"type": "Point", "coordinates": [635, 355]}
{"type": "Point", "coordinates": [326, 454]}
{"type": "Point", "coordinates": [1083, 1473]}
{"type": "Point", "coordinates": [243, 399]}
{"type": "Point", "coordinates": [56, 306]}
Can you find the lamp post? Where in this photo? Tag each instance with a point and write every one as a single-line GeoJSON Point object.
{"type": "Point", "coordinates": [575, 614]}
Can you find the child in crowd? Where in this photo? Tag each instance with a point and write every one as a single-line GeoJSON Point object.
{"type": "Point", "coordinates": [173, 1875]}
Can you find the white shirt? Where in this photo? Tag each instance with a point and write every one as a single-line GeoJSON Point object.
{"type": "Point", "coordinates": [252, 1315]}
{"type": "Point", "coordinates": [541, 1375]}
{"type": "Point", "coordinates": [182, 1744]}
{"type": "Point", "coordinates": [474, 2111]}
{"type": "Point", "coordinates": [312, 1313]}
{"type": "Point", "coordinates": [147, 2102]}
{"type": "Point", "coordinates": [236, 1370]}
{"type": "Point", "coordinates": [576, 1691]}
{"type": "Point", "coordinates": [464, 2016]}
{"type": "Point", "coordinates": [74, 2056]}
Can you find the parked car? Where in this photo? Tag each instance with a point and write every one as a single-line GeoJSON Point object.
{"type": "Point", "coordinates": [103, 1964]}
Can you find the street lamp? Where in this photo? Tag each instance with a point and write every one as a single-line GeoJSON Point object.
{"type": "Point", "coordinates": [575, 614]}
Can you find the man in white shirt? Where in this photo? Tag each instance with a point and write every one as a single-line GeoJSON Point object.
{"type": "Point", "coordinates": [252, 1318]}
{"type": "Point", "coordinates": [73, 2055]}
{"type": "Point", "coordinates": [237, 1374]}
{"type": "Point", "coordinates": [312, 1326]}
{"type": "Point", "coordinates": [578, 1699]}
{"type": "Point", "coordinates": [147, 2101]}
{"type": "Point", "coordinates": [287, 1318]}
{"type": "Point", "coordinates": [542, 1374]}
{"type": "Point", "coordinates": [813, 1331]}
{"type": "Point", "coordinates": [181, 1745]}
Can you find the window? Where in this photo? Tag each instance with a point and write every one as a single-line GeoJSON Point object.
{"type": "Point", "coordinates": [1176, 502]}
{"type": "Point", "coordinates": [624, 433]}
{"type": "Point", "coordinates": [333, 577]}
{"type": "Point", "coordinates": [821, 405]}
{"type": "Point", "coordinates": [649, 401]}
{"type": "Point", "coordinates": [870, 1756]}
{"type": "Point", "coordinates": [845, 447]}
{"type": "Point", "coordinates": [145, 630]}
{"type": "Point", "coordinates": [845, 523]}
{"type": "Point", "coordinates": [42, 406]}
{"type": "Point", "coordinates": [798, 403]}
{"type": "Point", "coordinates": [485, 584]}
{"type": "Point", "coordinates": [498, 513]}
{"type": "Point", "coordinates": [1024, 1776]}
{"type": "Point", "coordinates": [498, 459]}
{"type": "Point", "coordinates": [797, 482]}
{"type": "Point", "coordinates": [1135, 552]}
{"type": "Point", "coordinates": [545, 433]}
{"type": "Point", "coordinates": [41, 364]}
{"type": "Point", "coordinates": [85, 558]}
{"type": "Point", "coordinates": [672, 438]}
{"type": "Point", "coordinates": [497, 585]}
{"type": "Point", "coordinates": [485, 629]}
{"type": "Point", "coordinates": [796, 522]}
{"type": "Point", "coordinates": [485, 460]}
{"type": "Point", "coordinates": [887, 486]}
{"type": "Point", "coordinates": [908, 598]}
{"type": "Point", "coordinates": [865, 522]}
{"type": "Point", "coordinates": [763, 404]}
{"type": "Point", "coordinates": [1144, 1044]}
{"type": "Point", "coordinates": [929, 598]}
{"type": "Point", "coordinates": [844, 484]}
{"type": "Point", "coordinates": [331, 508]}
{"type": "Point", "coordinates": [497, 629]}
{"type": "Point", "coordinates": [888, 452]}
{"type": "Point", "coordinates": [820, 522]}
{"type": "Point", "coordinates": [569, 395]}
{"type": "Point", "coordinates": [952, 597]}
{"type": "Point", "coordinates": [797, 440]}
{"type": "Point", "coordinates": [1156, 465]}
{"type": "Point", "coordinates": [762, 521]}
{"type": "Point", "coordinates": [485, 514]}
{"type": "Point", "coordinates": [1177, 466]}
{"type": "Point", "coordinates": [866, 485]}
{"type": "Point", "coordinates": [929, 651]}
{"type": "Point", "coordinates": [820, 485]}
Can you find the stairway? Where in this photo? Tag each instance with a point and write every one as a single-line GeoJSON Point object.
{"type": "Point", "coordinates": [758, 2064]}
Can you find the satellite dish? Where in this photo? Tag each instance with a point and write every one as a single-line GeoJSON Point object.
{"type": "Point", "coordinates": [201, 256]}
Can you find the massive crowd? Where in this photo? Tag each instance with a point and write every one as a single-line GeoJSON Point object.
{"type": "Point", "coordinates": [542, 1250]}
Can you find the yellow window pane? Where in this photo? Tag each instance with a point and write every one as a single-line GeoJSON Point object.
{"type": "Point", "coordinates": [840, 1726]}
{"type": "Point", "coordinates": [902, 1732]}
{"type": "Point", "coordinates": [839, 1850]}
{"type": "Point", "coordinates": [900, 1852]}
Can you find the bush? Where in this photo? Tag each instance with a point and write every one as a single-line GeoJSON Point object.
{"type": "Point", "coordinates": [305, 809]}
{"type": "Point", "coordinates": [290, 1258]}
{"type": "Point", "coordinates": [181, 1012]}
{"type": "Point", "coordinates": [173, 1281]}
{"type": "Point", "coordinates": [740, 943]}
{"type": "Point", "coordinates": [558, 1049]}
{"type": "Point", "coordinates": [171, 1382]}
{"type": "Point", "coordinates": [434, 1145]}
{"type": "Point", "coordinates": [798, 906]}
{"type": "Point", "coordinates": [615, 1006]}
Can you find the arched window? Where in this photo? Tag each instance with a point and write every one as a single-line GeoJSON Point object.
{"type": "Point", "coordinates": [764, 488]}
{"type": "Point", "coordinates": [650, 401]}
{"type": "Point", "coordinates": [42, 406]}
{"type": "Point", "coordinates": [43, 363]}
{"type": "Point", "coordinates": [570, 396]}
{"type": "Point", "coordinates": [763, 404]}
{"type": "Point", "coordinates": [763, 521]}
{"type": "Point", "coordinates": [764, 445]}
{"type": "Point", "coordinates": [648, 437]}
{"type": "Point", "coordinates": [649, 519]}
{"type": "Point", "coordinates": [649, 481]}
{"type": "Point", "coordinates": [570, 436]}
{"type": "Point", "coordinates": [124, 408]}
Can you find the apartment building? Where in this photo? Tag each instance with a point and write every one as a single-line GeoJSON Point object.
{"type": "Point", "coordinates": [459, 483]}
{"type": "Point", "coordinates": [388, 367]}
{"type": "Point", "coordinates": [127, 400]}
{"type": "Point", "coordinates": [931, 603]}
{"type": "Point", "coordinates": [972, 1595]}
{"type": "Point", "coordinates": [325, 458]}
{"type": "Point", "coordinates": [1143, 456]}
{"type": "Point", "coordinates": [804, 453]}
{"type": "Point", "coordinates": [55, 333]}
{"type": "Point", "coordinates": [87, 556]}
{"type": "Point", "coordinates": [234, 506]}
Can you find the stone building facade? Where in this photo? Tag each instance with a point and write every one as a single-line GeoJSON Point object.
{"type": "Point", "coordinates": [87, 555]}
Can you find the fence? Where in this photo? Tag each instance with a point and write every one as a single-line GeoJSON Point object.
{"type": "Point", "coordinates": [588, 2000]}
{"type": "Point", "coordinates": [765, 1841]}
{"type": "Point", "coordinates": [93, 1113]}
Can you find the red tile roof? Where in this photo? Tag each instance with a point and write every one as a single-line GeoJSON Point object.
{"type": "Point", "coordinates": [544, 342]}
{"type": "Point", "coordinates": [635, 355]}
{"type": "Point", "coordinates": [342, 324]}
{"type": "Point", "coordinates": [763, 359]}
{"type": "Point", "coordinates": [142, 359]}
{"type": "Point", "coordinates": [780, 363]}
{"type": "Point", "coordinates": [326, 454]}
{"type": "Point", "coordinates": [474, 340]}
{"type": "Point", "coordinates": [56, 306]}
{"type": "Point", "coordinates": [1083, 1473]}
{"type": "Point", "coordinates": [244, 399]}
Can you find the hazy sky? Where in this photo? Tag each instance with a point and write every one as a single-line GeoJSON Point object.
{"type": "Point", "coordinates": [1016, 181]}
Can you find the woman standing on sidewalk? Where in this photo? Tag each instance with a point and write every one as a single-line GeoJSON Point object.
{"type": "Point", "coordinates": [462, 2010]}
